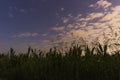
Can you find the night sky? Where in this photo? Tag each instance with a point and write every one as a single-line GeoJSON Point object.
{"type": "Point", "coordinates": [42, 23]}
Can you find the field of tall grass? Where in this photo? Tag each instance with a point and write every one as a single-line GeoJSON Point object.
{"type": "Point", "coordinates": [94, 64]}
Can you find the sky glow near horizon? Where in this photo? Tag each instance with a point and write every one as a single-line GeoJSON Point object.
{"type": "Point", "coordinates": [43, 23]}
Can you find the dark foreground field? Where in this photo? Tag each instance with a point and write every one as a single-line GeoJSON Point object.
{"type": "Point", "coordinates": [54, 65]}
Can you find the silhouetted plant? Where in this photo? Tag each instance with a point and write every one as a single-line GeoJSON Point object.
{"type": "Point", "coordinates": [57, 65]}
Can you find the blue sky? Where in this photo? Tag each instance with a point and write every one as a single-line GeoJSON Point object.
{"type": "Point", "coordinates": [37, 15]}
{"type": "Point", "coordinates": [41, 23]}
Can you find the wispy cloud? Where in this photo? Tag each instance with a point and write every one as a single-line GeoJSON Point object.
{"type": "Point", "coordinates": [58, 28]}
{"type": "Point", "coordinates": [23, 11]}
{"type": "Point", "coordinates": [11, 15]}
{"type": "Point", "coordinates": [13, 9]}
{"type": "Point", "coordinates": [65, 20]}
{"type": "Point", "coordinates": [101, 4]}
{"type": "Point", "coordinates": [44, 35]}
{"type": "Point", "coordinates": [91, 26]}
{"type": "Point", "coordinates": [26, 34]}
{"type": "Point", "coordinates": [62, 9]}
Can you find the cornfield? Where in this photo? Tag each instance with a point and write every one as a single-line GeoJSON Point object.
{"type": "Point", "coordinates": [57, 65]}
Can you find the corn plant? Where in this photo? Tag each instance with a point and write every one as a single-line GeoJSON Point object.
{"type": "Point", "coordinates": [57, 65]}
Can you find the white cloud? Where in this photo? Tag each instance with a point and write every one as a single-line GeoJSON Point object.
{"type": "Point", "coordinates": [94, 15]}
{"type": "Point", "coordinates": [23, 11]}
{"type": "Point", "coordinates": [62, 9]}
{"type": "Point", "coordinates": [65, 20]}
{"type": "Point", "coordinates": [101, 4]}
{"type": "Point", "coordinates": [13, 9]}
{"type": "Point", "coordinates": [58, 28]}
{"type": "Point", "coordinates": [44, 35]}
{"type": "Point", "coordinates": [91, 26]}
{"type": "Point", "coordinates": [113, 15]}
{"type": "Point", "coordinates": [11, 15]}
{"type": "Point", "coordinates": [26, 34]}
{"type": "Point", "coordinates": [34, 34]}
